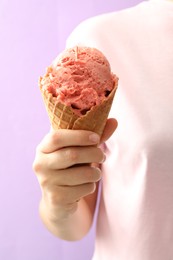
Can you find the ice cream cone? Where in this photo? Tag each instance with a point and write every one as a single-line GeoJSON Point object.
{"type": "Point", "coordinates": [63, 117]}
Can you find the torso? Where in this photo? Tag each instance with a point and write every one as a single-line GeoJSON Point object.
{"type": "Point", "coordinates": [135, 220]}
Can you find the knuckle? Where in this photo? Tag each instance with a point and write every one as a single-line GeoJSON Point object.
{"type": "Point", "coordinates": [54, 137]}
{"type": "Point", "coordinates": [44, 183]}
{"type": "Point", "coordinates": [72, 155]}
{"type": "Point", "coordinates": [52, 198]}
{"type": "Point", "coordinates": [37, 166]}
{"type": "Point", "coordinates": [38, 148]}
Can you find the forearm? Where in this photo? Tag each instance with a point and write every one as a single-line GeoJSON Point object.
{"type": "Point", "coordinates": [73, 227]}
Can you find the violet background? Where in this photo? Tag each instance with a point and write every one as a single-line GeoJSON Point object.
{"type": "Point", "coordinates": [32, 33]}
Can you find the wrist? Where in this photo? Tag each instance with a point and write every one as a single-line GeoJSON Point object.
{"type": "Point", "coordinates": [56, 214]}
{"type": "Point", "coordinates": [67, 226]}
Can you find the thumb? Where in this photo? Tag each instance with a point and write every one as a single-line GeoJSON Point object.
{"type": "Point", "coordinates": [109, 129]}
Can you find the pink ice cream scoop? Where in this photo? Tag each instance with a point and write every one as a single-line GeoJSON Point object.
{"type": "Point", "coordinates": [79, 77]}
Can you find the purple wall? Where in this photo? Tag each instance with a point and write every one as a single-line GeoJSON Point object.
{"type": "Point", "coordinates": [31, 35]}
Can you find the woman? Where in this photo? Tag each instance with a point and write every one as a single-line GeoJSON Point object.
{"type": "Point", "coordinates": [135, 218]}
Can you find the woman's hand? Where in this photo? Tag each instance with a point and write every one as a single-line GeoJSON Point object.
{"type": "Point", "coordinates": [64, 168]}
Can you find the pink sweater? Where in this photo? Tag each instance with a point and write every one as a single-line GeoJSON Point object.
{"type": "Point", "coordinates": [135, 220]}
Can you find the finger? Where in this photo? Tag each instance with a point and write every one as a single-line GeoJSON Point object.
{"type": "Point", "coordinates": [67, 157]}
{"type": "Point", "coordinates": [66, 137]}
{"type": "Point", "coordinates": [62, 195]}
{"type": "Point", "coordinates": [75, 176]}
{"type": "Point", "coordinates": [109, 129]}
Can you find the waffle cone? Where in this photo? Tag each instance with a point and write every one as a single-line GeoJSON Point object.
{"type": "Point", "coordinates": [63, 117]}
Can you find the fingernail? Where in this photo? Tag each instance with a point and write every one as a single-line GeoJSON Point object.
{"type": "Point", "coordinates": [94, 138]}
{"type": "Point", "coordinates": [104, 158]}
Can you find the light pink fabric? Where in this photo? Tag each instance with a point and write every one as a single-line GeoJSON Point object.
{"type": "Point", "coordinates": [135, 220]}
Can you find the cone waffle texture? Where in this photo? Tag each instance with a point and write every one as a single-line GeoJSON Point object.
{"type": "Point", "coordinates": [63, 117]}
